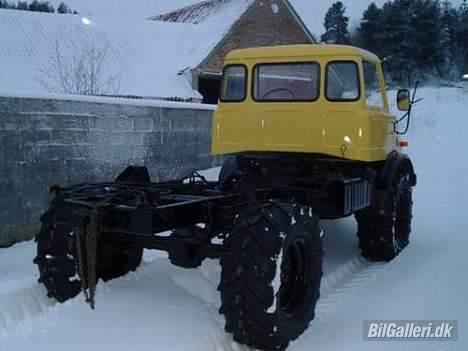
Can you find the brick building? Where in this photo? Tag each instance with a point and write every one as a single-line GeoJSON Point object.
{"type": "Point", "coordinates": [241, 24]}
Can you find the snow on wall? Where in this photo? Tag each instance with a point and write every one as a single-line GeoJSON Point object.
{"type": "Point", "coordinates": [68, 141]}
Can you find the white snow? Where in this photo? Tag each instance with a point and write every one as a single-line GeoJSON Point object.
{"type": "Point", "coordinates": [276, 283]}
{"type": "Point", "coordinates": [161, 307]}
{"type": "Point", "coordinates": [108, 100]}
{"type": "Point", "coordinates": [141, 54]}
{"type": "Point", "coordinates": [146, 58]}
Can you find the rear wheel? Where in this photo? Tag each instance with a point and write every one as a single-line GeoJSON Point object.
{"type": "Point", "coordinates": [384, 234]}
{"type": "Point", "coordinates": [271, 274]}
{"type": "Point", "coordinates": [57, 256]}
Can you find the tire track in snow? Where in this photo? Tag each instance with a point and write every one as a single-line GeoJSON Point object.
{"type": "Point", "coordinates": [336, 289]}
{"type": "Point", "coordinates": [344, 282]}
{"type": "Point", "coordinates": [23, 304]}
{"type": "Point", "coordinates": [203, 285]}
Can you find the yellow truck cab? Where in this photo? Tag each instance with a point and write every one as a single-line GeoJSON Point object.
{"type": "Point", "coordinates": [321, 99]}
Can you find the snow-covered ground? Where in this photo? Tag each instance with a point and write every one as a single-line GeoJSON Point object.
{"type": "Point", "coordinates": [161, 307]}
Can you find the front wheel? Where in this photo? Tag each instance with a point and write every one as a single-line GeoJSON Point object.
{"type": "Point", "coordinates": [271, 274]}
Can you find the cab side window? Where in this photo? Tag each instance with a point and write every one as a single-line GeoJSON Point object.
{"type": "Point", "coordinates": [342, 81]}
{"type": "Point", "coordinates": [371, 80]}
{"type": "Point", "coordinates": [234, 84]}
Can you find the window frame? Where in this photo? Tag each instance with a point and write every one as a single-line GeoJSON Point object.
{"type": "Point", "coordinates": [358, 76]}
{"type": "Point", "coordinates": [254, 79]}
{"type": "Point", "coordinates": [246, 71]}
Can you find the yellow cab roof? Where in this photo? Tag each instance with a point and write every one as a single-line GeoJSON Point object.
{"type": "Point", "coordinates": [291, 51]}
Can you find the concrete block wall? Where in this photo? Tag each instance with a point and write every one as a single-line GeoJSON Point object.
{"type": "Point", "coordinates": [60, 141]}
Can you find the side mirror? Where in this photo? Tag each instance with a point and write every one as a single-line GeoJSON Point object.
{"type": "Point", "coordinates": [403, 100]}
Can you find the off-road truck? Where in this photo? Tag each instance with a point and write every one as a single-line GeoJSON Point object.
{"type": "Point", "coordinates": [307, 135]}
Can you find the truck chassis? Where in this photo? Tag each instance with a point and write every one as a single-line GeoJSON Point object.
{"type": "Point", "coordinates": [270, 203]}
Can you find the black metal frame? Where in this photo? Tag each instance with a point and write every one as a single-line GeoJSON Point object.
{"type": "Point", "coordinates": [137, 212]}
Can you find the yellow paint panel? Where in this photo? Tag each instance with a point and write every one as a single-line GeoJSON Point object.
{"type": "Point", "coordinates": [341, 129]}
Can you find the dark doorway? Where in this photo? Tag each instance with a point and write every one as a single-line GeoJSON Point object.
{"type": "Point", "coordinates": [210, 87]}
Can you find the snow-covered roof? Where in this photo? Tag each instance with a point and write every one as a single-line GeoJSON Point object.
{"type": "Point", "coordinates": [141, 54]}
{"type": "Point", "coordinates": [143, 58]}
{"type": "Point", "coordinates": [215, 18]}
{"type": "Point", "coordinates": [229, 10]}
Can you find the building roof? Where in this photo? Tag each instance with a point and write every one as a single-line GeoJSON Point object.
{"type": "Point", "coordinates": [220, 16]}
{"type": "Point", "coordinates": [140, 54]}
{"type": "Point", "coordinates": [204, 10]}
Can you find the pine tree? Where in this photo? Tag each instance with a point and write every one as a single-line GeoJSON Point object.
{"type": "Point", "coordinates": [6, 5]}
{"type": "Point", "coordinates": [462, 36]}
{"type": "Point", "coordinates": [336, 25]}
{"type": "Point", "coordinates": [45, 6]}
{"type": "Point", "coordinates": [451, 52]}
{"type": "Point", "coordinates": [34, 6]}
{"type": "Point", "coordinates": [370, 29]}
{"type": "Point", "coordinates": [427, 32]}
{"type": "Point", "coordinates": [397, 44]}
{"type": "Point", "coordinates": [63, 8]}
{"type": "Point", "coordinates": [41, 6]}
{"type": "Point", "coordinates": [22, 5]}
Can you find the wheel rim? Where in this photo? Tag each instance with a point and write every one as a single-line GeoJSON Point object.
{"type": "Point", "coordinates": [294, 274]}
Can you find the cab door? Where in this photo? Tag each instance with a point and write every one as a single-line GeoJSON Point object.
{"type": "Point", "coordinates": [381, 139]}
{"type": "Point", "coordinates": [229, 127]}
{"type": "Point", "coordinates": [342, 107]}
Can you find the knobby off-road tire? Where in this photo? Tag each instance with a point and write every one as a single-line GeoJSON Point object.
{"type": "Point", "coordinates": [383, 235]}
{"type": "Point", "coordinates": [57, 256]}
{"type": "Point", "coordinates": [271, 274]}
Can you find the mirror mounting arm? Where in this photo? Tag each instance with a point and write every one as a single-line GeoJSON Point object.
{"type": "Point", "coordinates": [407, 116]}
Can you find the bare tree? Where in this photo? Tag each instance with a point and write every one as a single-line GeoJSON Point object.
{"type": "Point", "coordinates": [84, 73]}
